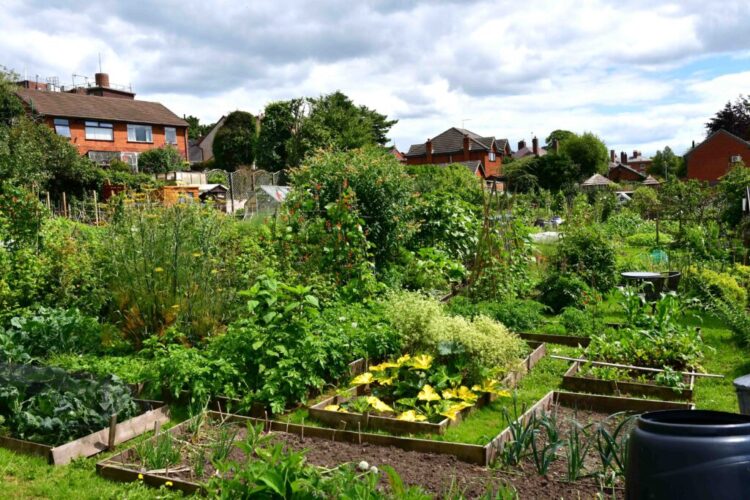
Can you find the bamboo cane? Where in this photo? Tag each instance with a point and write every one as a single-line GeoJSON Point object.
{"type": "Point", "coordinates": [633, 367]}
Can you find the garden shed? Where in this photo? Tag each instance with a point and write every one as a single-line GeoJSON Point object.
{"type": "Point", "coordinates": [596, 181]}
{"type": "Point", "coordinates": [265, 199]}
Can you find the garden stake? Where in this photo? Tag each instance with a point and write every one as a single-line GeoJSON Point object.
{"type": "Point", "coordinates": [632, 367]}
{"type": "Point", "coordinates": [112, 432]}
{"type": "Point", "coordinates": [302, 434]}
{"type": "Point", "coordinates": [359, 433]}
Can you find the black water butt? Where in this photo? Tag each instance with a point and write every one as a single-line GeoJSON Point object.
{"type": "Point", "coordinates": [689, 454]}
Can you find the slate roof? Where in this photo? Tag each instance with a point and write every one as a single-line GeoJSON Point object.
{"type": "Point", "coordinates": [473, 166]}
{"type": "Point", "coordinates": [528, 151]}
{"type": "Point", "coordinates": [613, 166]}
{"type": "Point", "coordinates": [597, 180]}
{"type": "Point", "coordinates": [452, 141]}
{"type": "Point", "coordinates": [650, 181]}
{"type": "Point", "coordinates": [67, 105]}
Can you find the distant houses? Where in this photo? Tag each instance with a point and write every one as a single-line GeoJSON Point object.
{"type": "Point", "coordinates": [104, 121]}
{"type": "Point", "coordinates": [482, 155]}
{"type": "Point", "coordinates": [712, 158]}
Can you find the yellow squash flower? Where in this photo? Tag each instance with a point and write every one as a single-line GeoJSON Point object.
{"type": "Point", "coordinates": [378, 405]}
{"type": "Point", "coordinates": [403, 359]}
{"type": "Point", "coordinates": [428, 394]}
{"type": "Point", "coordinates": [411, 416]}
{"type": "Point", "coordinates": [450, 394]}
{"type": "Point", "coordinates": [364, 378]}
{"type": "Point", "coordinates": [421, 362]}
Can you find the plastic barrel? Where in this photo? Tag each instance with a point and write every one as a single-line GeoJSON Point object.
{"type": "Point", "coordinates": [742, 386]}
{"type": "Point", "coordinates": [689, 454]}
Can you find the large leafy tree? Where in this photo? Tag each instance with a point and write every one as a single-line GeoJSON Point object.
{"type": "Point", "coordinates": [734, 117]}
{"type": "Point", "coordinates": [667, 164]}
{"type": "Point", "coordinates": [279, 144]}
{"type": "Point", "coordinates": [588, 152]}
{"type": "Point", "coordinates": [234, 144]}
{"type": "Point", "coordinates": [195, 128]}
{"type": "Point", "coordinates": [559, 135]}
{"type": "Point", "coordinates": [732, 189]}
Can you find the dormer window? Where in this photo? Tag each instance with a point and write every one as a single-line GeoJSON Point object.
{"type": "Point", "coordinates": [139, 133]}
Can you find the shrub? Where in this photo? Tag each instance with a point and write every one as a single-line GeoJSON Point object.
{"type": "Point", "coordinates": [706, 284]}
{"type": "Point", "coordinates": [446, 223]}
{"type": "Point", "coordinates": [590, 254]}
{"type": "Point", "coordinates": [626, 222]}
{"type": "Point", "coordinates": [559, 291]}
{"type": "Point", "coordinates": [648, 239]}
{"type": "Point", "coordinates": [160, 160]}
{"type": "Point", "coordinates": [584, 322]}
{"type": "Point", "coordinates": [517, 314]}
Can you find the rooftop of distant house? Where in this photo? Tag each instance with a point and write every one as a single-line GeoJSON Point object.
{"type": "Point", "coordinates": [96, 102]}
{"type": "Point", "coordinates": [452, 141]}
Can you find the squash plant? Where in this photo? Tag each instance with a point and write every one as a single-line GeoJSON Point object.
{"type": "Point", "coordinates": [415, 389]}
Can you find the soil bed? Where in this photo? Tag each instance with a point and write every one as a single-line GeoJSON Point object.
{"type": "Point", "coordinates": [436, 473]}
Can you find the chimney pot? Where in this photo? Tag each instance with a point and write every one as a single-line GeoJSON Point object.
{"type": "Point", "coordinates": [467, 146]}
{"type": "Point", "coordinates": [102, 80]}
{"type": "Point", "coordinates": [535, 145]}
{"type": "Point", "coordinates": [635, 153]}
{"type": "Point", "coordinates": [623, 157]}
{"type": "Point", "coordinates": [428, 150]}
{"type": "Point", "coordinates": [521, 144]}
{"type": "Point", "coordinates": [612, 155]}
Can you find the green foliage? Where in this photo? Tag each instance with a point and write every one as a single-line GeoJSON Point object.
{"type": "Point", "coordinates": [55, 331]}
{"type": "Point", "coordinates": [382, 193]}
{"type": "Point", "coordinates": [235, 141]}
{"type": "Point", "coordinates": [363, 326]}
{"type": "Point", "coordinates": [278, 142]}
{"type": "Point", "coordinates": [625, 223]}
{"type": "Point", "coordinates": [171, 266]}
{"type": "Point", "coordinates": [644, 201]}
{"type": "Point", "coordinates": [588, 253]}
{"type": "Point", "coordinates": [49, 406]}
{"type": "Point", "coordinates": [706, 284]}
{"type": "Point", "coordinates": [732, 190]}
{"type": "Point", "coordinates": [667, 164]}
{"type": "Point", "coordinates": [446, 223]}
{"type": "Point", "coordinates": [559, 135]}
{"type": "Point", "coordinates": [455, 181]}
{"type": "Point", "coordinates": [517, 314]}
{"type": "Point", "coordinates": [588, 152]}
{"type": "Point", "coordinates": [11, 107]}
{"type": "Point", "coordinates": [196, 130]}
{"type": "Point", "coordinates": [559, 290]}
{"type": "Point", "coordinates": [424, 327]}
{"type": "Point", "coordinates": [648, 239]}
{"type": "Point", "coordinates": [159, 453]}
{"type": "Point", "coordinates": [582, 322]}
{"type": "Point", "coordinates": [160, 160]}
{"type": "Point", "coordinates": [429, 269]}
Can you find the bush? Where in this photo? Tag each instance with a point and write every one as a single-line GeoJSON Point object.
{"type": "Point", "coordinates": [559, 291]}
{"type": "Point", "coordinates": [446, 223]}
{"type": "Point", "coordinates": [424, 326]}
{"type": "Point", "coordinates": [583, 322]}
{"type": "Point", "coordinates": [590, 254]}
{"type": "Point", "coordinates": [160, 160]}
{"type": "Point", "coordinates": [648, 239]}
{"type": "Point", "coordinates": [707, 285]}
{"type": "Point", "coordinates": [517, 314]}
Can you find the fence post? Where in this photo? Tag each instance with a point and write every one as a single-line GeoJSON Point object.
{"type": "Point", "coordinates": [49, 203]}
{"type": "Point", "coordinates": [65, 205]}
{"type": "Point", "coordinates": [231, 191]}
{"type": "Point", "coordinates": [96, 209]}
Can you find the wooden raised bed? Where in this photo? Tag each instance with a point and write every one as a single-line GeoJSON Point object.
{"type": "Point", "coordinates": [154, 413]}
{"type": "Point", "coordinates": [358, 421]}
{"type": "Point", "coordinates": [550, 338]}
{"type": "Point", "coordinates": [114, 467]}
{"type": "Point", "coordinates": [572, 381]}
{"type": "Point", "coordinates": [589, 402]}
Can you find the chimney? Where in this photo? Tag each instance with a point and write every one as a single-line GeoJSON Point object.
{"type": "Point", "coordinates": [102, 80]}
{"type": "Point", "coordinates": [428, 150]}
{"type": "Point", "coordinates": [556, 146]}
{"type": "Point", "coordinates": [612, 156]}
{"type": "Point", "coordinates": [623, 157]}
{"type": "Point", "coordinates": [521, 144]}
{"type": "Point", "coordinates": [635, 153]}
{"type": "Point", "coordinates": [535, 145]}
{"type": "Point", "coordinates": [466, 146]}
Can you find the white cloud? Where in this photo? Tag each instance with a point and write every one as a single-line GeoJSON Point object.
{"type": "Point", "coordinates": [618, 68]}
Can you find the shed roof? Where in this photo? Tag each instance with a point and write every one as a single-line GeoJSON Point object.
{"type": "Point", "coordinates": [597, 180]}
{"type": "Point", "coordinates": [69, 105]}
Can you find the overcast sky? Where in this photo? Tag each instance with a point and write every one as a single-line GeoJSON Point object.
{"type": "Point", "coordinates": [639, 73]}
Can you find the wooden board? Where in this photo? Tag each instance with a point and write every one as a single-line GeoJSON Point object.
{"type": "Point", "coordinates": [495, 447]}
{"type": "Point", "coordinates": [94, 443]}
{"type": "Point", "coordinates": [569, 340]}
{"type": "Point", "coordinates": [576, 383]}
{"type": "Point", "coordinates": [614, 404]}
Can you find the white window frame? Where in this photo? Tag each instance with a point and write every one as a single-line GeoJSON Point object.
{"type": "Point", "coordinates": [133, 133]}
{"type": "Point", "coordinates": [173, 131]}
{"type": "Point", "coordinates": [62, 127]}
{"type": "Point", "coordinates": [492, 156]}
{"type": "Point", "coordinates": [131, 158]}
{"type": "Point", "coordinates": [97, 131]}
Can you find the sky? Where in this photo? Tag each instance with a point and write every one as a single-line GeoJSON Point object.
{"type": "Point", "coordinates": [641, 74]}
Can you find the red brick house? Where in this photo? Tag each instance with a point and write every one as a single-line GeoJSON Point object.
{"type": "Point", "coordinates": [524, 151]}
{"type": "Point", "coordinates": [105, 122]}
{"type": "Point", "coordinates": [483, 156]}
{"type": "Point", "coordinates": [621, 170]}
{"type": "Point", "coordinates": [712, 158]}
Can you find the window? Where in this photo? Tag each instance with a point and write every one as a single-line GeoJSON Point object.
{"type": "Point", "coordinates": [131, 159]}
{"type": "Point", "coordinates": [171, 135]}
{"type": "Point", "coordinates": [99, 131]}
{"type": "Point", "coordinates": [62, 127]}
{"type": "Point", "coordinates": [139, 133]}
{"type": "Point", "coordinates": [492, 156]}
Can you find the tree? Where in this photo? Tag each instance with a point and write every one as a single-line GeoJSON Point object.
{"type": "Point", "coordinates": [732, 189]}
{"type": "Point", "coordinates": [277, 146]}
{"type": "Point", "coordinates": [588, 152]}
{"type": "Point", "coordinates": [160, 160]}
{"type": "Point", "coordinates": [234, 144]}
{"type": "Point", "coordinates": [733, 117]}
{"type": "Point", "coordinates": [560, 135]}
{"type": "Point", "coordinates": [556, 172]}
{"type": "Point", "coordinates": [667, 164]}
{"type": "Point", "coordinates": [195, 129]}
{"type": "Point", "coordinates": [10, 104]}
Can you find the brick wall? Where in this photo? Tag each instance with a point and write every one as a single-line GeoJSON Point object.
{"type": "Point", "coordinates": [120, 142]}
{"type": "Point", "coordinates": [490, 167]}
{"type": "Point", "coordinates": [711, 159]}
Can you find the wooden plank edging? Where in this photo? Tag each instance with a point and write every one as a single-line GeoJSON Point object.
{"type": "Point", "coordinates": [549, 338]}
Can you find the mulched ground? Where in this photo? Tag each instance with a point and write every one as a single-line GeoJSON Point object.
{"type": "Point", "coordinates": [437, 474]}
